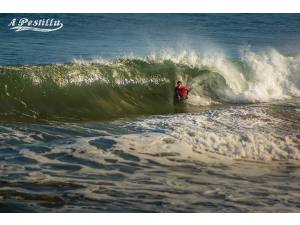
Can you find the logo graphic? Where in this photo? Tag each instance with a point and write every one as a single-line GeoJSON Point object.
{"type": "Point", "coordinates": [39, 25]}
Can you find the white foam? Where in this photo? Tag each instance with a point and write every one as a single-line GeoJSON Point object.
{"type": "Point", "coordinates": [236, 133]}
{"type": "Point", "coordinates": [272, 76]}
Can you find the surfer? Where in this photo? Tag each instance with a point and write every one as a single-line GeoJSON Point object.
{"type": "Point", "coordinates": [181, 92]}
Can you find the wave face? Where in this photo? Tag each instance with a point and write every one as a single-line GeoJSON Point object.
{"type": "Point", "coordinates": [101, 89]}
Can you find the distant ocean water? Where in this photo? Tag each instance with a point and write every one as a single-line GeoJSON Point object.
{"type": "Point", "coordinates": [90, 36]}
{"type": "Point", "coordinates": [88, 121]}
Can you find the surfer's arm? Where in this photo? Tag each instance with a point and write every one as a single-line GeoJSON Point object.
{"type": "Point", "coordinates": [187, 90]}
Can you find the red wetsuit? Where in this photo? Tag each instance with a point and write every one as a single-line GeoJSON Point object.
{"type": "Point", "coordinates": [181, 90]}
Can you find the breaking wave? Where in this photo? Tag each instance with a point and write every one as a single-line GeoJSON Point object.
{"type": "Point", "coordinates": [106, 89]}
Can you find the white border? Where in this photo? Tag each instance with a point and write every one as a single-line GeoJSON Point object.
{"type": "Point", "coordinates": [151, 219]}
{"type": "Point", "coordinates": [150, 6]}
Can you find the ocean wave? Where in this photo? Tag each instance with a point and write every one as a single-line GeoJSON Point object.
{"type": "Point", "coordinates": [105, 89]}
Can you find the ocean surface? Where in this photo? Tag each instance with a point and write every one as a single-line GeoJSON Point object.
{"type": "Point", "coordinates": [88, 121]}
